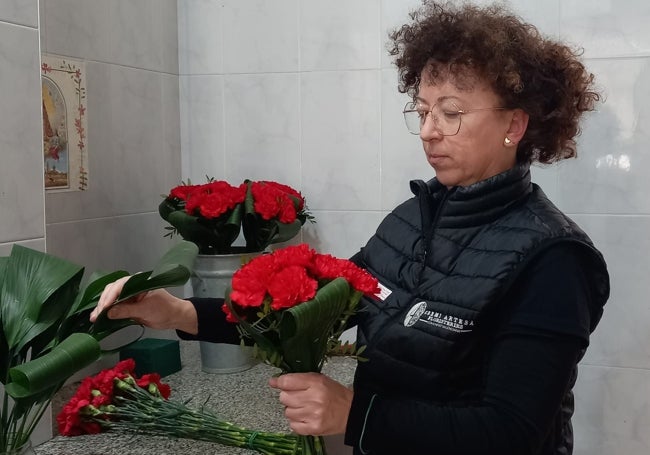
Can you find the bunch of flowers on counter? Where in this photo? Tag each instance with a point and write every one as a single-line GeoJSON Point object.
{"type": "Point", "coordinates": [211, 215]}
{"type": "Point", "coordinates": [295, 303]}
{"type": "Point", "coordinates": [117, 400]}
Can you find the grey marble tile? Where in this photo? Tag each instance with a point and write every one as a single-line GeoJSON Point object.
{"type": "Point", "coordinates": [23, 12]}
{"type": "Point", "coordinates": [21, 186]}
{"type": "Point", "coordinates": [78, 28]}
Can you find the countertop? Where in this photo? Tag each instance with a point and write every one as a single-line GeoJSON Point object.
{"type": "Point", "coordinates": [242, 398]}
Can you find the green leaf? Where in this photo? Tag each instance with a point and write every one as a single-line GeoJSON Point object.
{"type": "Point", "coordinates": [74, 353]}
{"type": "Point", "coordinates": [305, 328]}
{"type": "Point", "coordinates": [266, 347]}
{"type": "Point", "coordinates": [77, 319]}
{"type": "Point", "coordinates": [30, 279]}
{"type": "Point", "coordinates": [173, 269]}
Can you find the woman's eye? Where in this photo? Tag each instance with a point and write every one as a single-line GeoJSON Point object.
{"type": "Point", "coordinates": [451, 114]}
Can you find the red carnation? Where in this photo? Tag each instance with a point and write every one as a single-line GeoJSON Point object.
{"type": "Point", "coordinates": [290, 287]}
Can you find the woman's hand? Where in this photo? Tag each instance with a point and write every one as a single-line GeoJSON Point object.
{"type": "Point", "coordinates": [314, 403]}
{"type": "Point", "coordinates": [157, 309]}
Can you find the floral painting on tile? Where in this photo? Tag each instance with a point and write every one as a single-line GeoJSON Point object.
{"type": "Point", "coordinates": [64, 124]}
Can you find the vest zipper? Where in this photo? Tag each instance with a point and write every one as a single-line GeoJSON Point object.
{"type": "Point", "coordinates": [429, 222]}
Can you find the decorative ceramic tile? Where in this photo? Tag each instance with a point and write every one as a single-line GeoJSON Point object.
{"type": "Point", "coordinates": [65, 123]}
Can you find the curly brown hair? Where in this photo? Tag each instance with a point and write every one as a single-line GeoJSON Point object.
{"type": "Point", "coordinates": [543, 77]}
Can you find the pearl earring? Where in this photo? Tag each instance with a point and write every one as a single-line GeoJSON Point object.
{"type": "Point", "coordinates": [507, 141]}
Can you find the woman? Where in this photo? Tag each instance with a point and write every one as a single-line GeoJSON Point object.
{"type": "Point", "coordinates": [490, 292]}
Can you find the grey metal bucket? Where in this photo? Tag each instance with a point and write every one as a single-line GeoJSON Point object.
{"type": "Point", "coordinates": [211, 277]}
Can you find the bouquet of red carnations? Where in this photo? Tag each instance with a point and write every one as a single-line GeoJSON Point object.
{"type": "Point", "coordinates": [295, 303]}
{"type": "Point", "coordinates": [211, 215]}
{"type": "Point", "coordinates": [117, 400]}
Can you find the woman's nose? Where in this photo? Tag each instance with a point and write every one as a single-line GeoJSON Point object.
{"type": "Point", "coordinates": [429, 131]}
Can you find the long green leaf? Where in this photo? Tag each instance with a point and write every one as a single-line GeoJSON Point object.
{"type": "Point", "coordinates": [31, 277]}
{"type": "Point", "coordinates": [304, 329]}
{"type": "Point", "coordinates": [74, 353]}
{"type": "Point", "coordinates": [173, 269]}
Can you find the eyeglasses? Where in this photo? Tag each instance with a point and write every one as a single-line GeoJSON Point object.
{"type": "Point", "coordinates": [446, 116]}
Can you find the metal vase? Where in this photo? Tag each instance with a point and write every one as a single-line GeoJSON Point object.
{"type": "Point", "coordinates": [211, 278]}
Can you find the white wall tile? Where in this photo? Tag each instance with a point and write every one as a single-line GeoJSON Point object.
{"type": "Point", "coordinates": [341, 139]}
{"type": "Point", "coordinates": [90, 243]}
{"type": "Point", "coordinates": [21, 185]}
{"type": "Point", "coordinates": [612, 411]}
{"type": "Point", "coordinates": [606, 28]}
{"type": "Point", "coordinates": [341, 234]}
{"type": "Point", "coordinates": [272, 47]}
{"type": "Point", "coordinates": [622, 338]}
{"type": "Point", "coordinates": [78, 28]}
{"type": "Point", "coordinates": [262, 128]}
{"type": "Point", "coordinates": [339, 35]}
{"type": "Point", "coordinates": [394, 14]}
{"type": "Point", "coordinates": [140, 158]}
{"type": "Point", "coordinates": [135, 36]}
{"type": "Point", "coordinates": [610, 174]}
{"type": "Point", "coordinates": [202, 127]}
{"type": "Point", "coordinates": [402, 155]}
{"type": "Point", "coordinates": [23, 12]}
{"type": "Point", "coordinates": [200, 37]}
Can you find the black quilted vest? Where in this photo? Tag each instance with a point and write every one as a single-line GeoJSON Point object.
{"type": "Point", "coordinates": [448, 257]}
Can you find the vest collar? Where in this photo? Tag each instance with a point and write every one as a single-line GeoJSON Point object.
{"type": "Point", "coordinates": [479, 203]}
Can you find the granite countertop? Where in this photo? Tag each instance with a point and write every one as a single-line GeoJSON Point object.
{"type": "Point", "coordinates": [243, 398]}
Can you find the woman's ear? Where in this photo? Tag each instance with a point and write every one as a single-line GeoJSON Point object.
{"type": "Point", "coordinates": [518, 125]}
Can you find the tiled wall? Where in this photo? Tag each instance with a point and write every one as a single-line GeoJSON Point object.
{"type": "Point", "coordinates": [302, 91]}
{"type": "Point", "coordinates": [131, 55]}
{"type": "Point", "coordinates": [21, 176]}
{"type": "Point", "coordinates": [21, 159]}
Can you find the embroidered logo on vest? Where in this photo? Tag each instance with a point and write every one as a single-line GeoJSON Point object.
{"type": "Point", "coordinates": [419, 312]}
{"type": "Point", "coordinates": [414, 314]}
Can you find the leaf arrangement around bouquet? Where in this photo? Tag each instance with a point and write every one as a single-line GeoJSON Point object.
{"type": "Point", "coordinates": [295, 303]}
